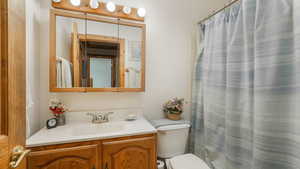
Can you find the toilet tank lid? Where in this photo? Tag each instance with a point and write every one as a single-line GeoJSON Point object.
{"type": "Point", "coordinates": [167, 122]}
{"type": "Point", "coordinates": [173, 127]}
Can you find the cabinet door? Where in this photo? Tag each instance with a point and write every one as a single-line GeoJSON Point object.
{"type": "Point", "coordinates": [137, 153]}
{"type": "Point", "coordinates": [83, 157]}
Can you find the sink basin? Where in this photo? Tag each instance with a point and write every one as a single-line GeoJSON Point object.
{"type": "Point", "coordinates": [92, 129]}
{"type": "Point", "coordinates": [78, 131]}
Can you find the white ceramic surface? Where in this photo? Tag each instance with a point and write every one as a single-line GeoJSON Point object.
{"type": "Point", "coordinates": [77, 131]}
{"type": "Point", "coordinates": [167, 147]}
{"type": "Point", "coordinates": [187, 161]}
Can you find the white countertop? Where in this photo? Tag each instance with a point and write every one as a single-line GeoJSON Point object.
{"type": "Point", "coordinates": [86, 131]}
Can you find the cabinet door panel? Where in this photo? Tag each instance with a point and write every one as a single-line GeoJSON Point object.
{"type": "Point", "coordinates": [130, 154]}
{"type": "Point", "coordinates": [83, 157]}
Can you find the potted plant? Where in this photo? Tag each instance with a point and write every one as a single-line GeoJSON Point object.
{"type": "Point", "coordinates": [58, 109]}
{"type": "Point", "coordinates": [173, 108]}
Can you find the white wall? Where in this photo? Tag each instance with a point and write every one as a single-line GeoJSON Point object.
{"type": "Point", "coordinates": [171, 27]}
{"type": "Point", "coordinates": [33, 66]}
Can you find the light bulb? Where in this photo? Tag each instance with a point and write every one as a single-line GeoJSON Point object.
{"type": "Point", "coordinates": [111, 7]}
{"type": "Point", "coordinates": [94, 4]}
{"type": "Point", "coordinates": [75, 2]}
{"type": "Point", "coordinates": [126, 10]}
{"type": "Point", "coordinates": [141, 12]}
{"type": "Point", "coordinates": [56, 1]}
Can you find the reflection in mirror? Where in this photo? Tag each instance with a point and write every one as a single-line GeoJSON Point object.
{"type": "Point", "coordinates": [133, 55]}
{"type": "Point", "coordinates": [102, 62]}
{"type": "Point", "coordinates": [66, 33]}
{"type": "Point", "coordinates": [98, 53]}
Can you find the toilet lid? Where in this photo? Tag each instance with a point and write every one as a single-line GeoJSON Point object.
{"type": "Point", "coordinates": [166, 122]}
{"type": "Point", "coordinates": [188, 161]}
{"type": "Point", "coordinates": [173, 127]}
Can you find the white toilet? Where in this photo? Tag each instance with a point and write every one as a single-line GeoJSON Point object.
{"type": "Point", "coordinates": [172, 142]}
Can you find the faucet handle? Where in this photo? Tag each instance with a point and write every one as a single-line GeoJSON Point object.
{"type": "Point", "coordinates": [93, 115]}
{"type": "Point", "coordinates": [106, 115]}
{"type": "Point", "coordinates": [99, 117]}
{"type": "Point", "coordinates": [109, 113]}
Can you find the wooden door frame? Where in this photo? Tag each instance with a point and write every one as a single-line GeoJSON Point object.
{"type": "Point", "coordinates": [108, 39]}
{"type": "Point", "coordinates": [4, 158]}
{"type": "Point", "coordinates": [13, 75]}
{"type": "Point", "coordinates": [3, 68]}
{"type": "Point", "coordinates": [75, 56]}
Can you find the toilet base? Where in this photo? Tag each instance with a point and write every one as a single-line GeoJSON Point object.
{"type": "Point", "coordinates": [163, 160]}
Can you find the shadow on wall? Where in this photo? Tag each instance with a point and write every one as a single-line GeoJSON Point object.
{"type": "Point", "coordinates": [33, 67]}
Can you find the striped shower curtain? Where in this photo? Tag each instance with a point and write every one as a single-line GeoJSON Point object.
{"type": "Point", "coordinates": [246, 94]}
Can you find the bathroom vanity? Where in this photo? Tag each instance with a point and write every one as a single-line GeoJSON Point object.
{"type": "Point", "coordinates": [82, 145]}
{"type": "Point", "coordinates": [95, 49]}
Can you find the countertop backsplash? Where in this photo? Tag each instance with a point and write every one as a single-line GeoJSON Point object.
{"type": "Point", "coordinates": [118, 114]}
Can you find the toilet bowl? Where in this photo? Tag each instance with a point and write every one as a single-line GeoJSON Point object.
{"type": "Point", "coordinates": [172, 142]}
{"type": "Point", "coordinates": [186, 161]}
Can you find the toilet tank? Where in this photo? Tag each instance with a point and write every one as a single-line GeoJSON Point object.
{"type": "Point", "coordinates": [172, 140]}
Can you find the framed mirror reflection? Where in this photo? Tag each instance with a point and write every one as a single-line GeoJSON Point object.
{"type": "Point", "coordinates": [94, 54]}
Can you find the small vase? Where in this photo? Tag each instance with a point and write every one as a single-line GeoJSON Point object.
{"type": "Point", "coordinates": [174, 116]}
{"type": "Point", "coordinates": [61, 119]}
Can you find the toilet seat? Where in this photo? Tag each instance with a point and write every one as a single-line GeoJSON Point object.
{"type": "Point", "coordinates": [186, 161]}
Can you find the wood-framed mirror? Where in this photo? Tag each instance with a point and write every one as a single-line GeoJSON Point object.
{"type": "Point", "coordinates": [89, 53]}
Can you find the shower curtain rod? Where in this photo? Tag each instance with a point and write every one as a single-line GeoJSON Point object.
{"type": "Point", "coordinates": [218, 11]}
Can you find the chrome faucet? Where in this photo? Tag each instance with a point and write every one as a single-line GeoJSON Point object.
{"type": "Point", "coordinates": [100, 117]}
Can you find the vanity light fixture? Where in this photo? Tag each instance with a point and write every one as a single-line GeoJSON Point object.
{"type": "Point", "coordinates": [111, 7]}
{"type": "Point", "coordinates": [141, 12]}
{"type": "Point", "coordinates": [126, 10]}
{"type": "Point", "coordinates": [75, 2]}
{"type": "Point", "coordinates": [56, 1]}
{"type": "Point", "coordinates": [94, 4]}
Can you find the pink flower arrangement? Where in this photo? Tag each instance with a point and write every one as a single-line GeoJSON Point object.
{"type": "Point", "coordinates": [57, 107]}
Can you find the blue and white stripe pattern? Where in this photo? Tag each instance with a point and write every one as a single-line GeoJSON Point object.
{"type": "Point", "coordinates": [246, 103]}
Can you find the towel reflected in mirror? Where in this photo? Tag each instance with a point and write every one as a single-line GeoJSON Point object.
{"type": "Point", "coordinates": [64, 73]}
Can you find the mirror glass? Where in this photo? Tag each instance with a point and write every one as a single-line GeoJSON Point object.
{"type": "Point", "coordinates": [98, 53]}
{"type": "Point", "coordinates": [100, 63]}
{"type": "Point", "coordinates": [67, 44]}
{"type": "Point", "coordinates": [132, 37]}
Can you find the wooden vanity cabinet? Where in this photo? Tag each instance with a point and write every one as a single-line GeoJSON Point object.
{"type": "Point", "coordinates": [83, 157]}
{"type": "Point", "coordinates": [134, 152]}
